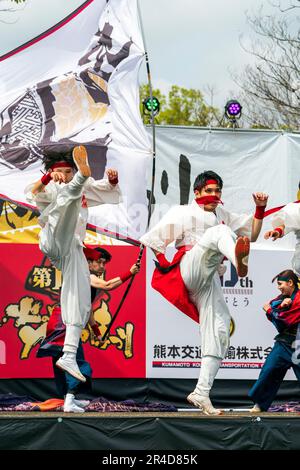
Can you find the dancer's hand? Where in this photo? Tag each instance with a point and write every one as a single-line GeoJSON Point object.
{"type": "Point", "coordinates": [266, 307]}
{"type": "Point", "coordinates": [58, 177]}
{"type": "Point", "coordinates": [112, 176]}
{"type": "Point", "coordinates": [286, 303]}
{"type": "Point", "coordinates": [135, 269]}
{"type": "Point", "coordinates": [272, 234]}
{"type": "Point", "coordinates": [260, 199]}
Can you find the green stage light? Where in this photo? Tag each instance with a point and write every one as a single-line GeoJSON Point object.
{"type": "Point", "coordinates": [151, 105]}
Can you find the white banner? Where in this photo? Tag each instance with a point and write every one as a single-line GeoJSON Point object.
{"type": "Point", "coordinates": [78, 84]}
{"type": "Point", "coordinates": [247, 161]}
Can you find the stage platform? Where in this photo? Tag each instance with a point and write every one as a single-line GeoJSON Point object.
{"type": "Point", "coordinates": [183, 430]}
{"type": "Point", "coordinates": [187, 429]}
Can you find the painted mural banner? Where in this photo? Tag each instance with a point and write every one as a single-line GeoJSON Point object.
{"type": "Point", "coordinates": [30, 289]}
{"type": "Point", "coordinates": [79, 86]}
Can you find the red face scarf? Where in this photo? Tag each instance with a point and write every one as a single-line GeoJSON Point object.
{"type": "Point", "coordinates": [204, 200]}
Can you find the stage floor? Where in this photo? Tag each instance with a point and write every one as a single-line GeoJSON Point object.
{"type": "Point", "coordinates": [194, 414]}
{"type": "Point", "coordinates": [184, 430]}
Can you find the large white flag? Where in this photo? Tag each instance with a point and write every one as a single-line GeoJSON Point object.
{"type": "Point", "coordinates": [78, 84]}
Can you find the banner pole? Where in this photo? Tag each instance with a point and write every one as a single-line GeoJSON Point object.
{"type": "Point", "coordinates": [151, 196]}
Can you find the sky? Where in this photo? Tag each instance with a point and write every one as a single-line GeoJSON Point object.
{"type": "Point", "coordinates": [197, 43]}
{"type": "Point", "coordinates": [190, 43]}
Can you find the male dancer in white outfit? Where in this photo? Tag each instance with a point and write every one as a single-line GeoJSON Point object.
{"type": "Point", "coordinates": [63, 197]}
{"type": "Point", "coordinates": [212, 232]}
{"type": "Point", "coordinates": [284, 221]}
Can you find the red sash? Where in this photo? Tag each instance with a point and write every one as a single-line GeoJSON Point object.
{"type": "Point", "coordinates": [167, 279]}
{"type": "Point", "coordinates": [169, 283]}
{"type": "Point", "coordinates": [55, 336]}
{"type": "Point", "coordinates": [276, 209]}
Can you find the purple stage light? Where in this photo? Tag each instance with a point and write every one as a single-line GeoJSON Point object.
{"type": "Point", "coordinates": [233, 109]}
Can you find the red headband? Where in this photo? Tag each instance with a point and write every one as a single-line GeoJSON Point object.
{"type": "Point", "coordinates": [206, 183]}
{"type": "Point", "coordinates": [90, 253]}
{"type": "Point", "coordinates": [211, 182]}
{"type": "Point", "coordinates": [61, 165]}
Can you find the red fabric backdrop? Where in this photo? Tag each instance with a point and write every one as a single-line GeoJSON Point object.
{"type": "Point", "coordinates": [29, 289]}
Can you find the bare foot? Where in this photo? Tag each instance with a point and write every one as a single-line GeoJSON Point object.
{"type": "Point", "coordinates": [80, 158]}
{"type": "Point", "coordinates": [242, 249]}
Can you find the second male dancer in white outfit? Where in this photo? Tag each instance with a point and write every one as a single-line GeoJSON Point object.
{"type": "Point", "coordinates": [204, 232]}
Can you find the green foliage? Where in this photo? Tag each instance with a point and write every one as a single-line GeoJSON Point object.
{"type": "Point", "coordinates": [182, 107]}
{"type": "Point", "coordinates": [258, 125]}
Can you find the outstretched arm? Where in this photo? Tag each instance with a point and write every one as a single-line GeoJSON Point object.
{"type": "Point", "coordinates": [260, 200]}
{"type": "Point", "coordinates": [115, 282]}
{"type": "Point", "coordinates": [105, 191]}
{"type": "Point", "coordinates": [169, 228]}
{"type": "Point", "coordinates": [40, 185]}
{"type": "Point", "coordinates": [284, 221]}
{"type": "Point", "coordinates": [108, 285]}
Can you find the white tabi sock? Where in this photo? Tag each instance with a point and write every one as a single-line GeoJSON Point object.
{"type": "Point", "coordinates": [209, 368]}
{"type": "Point", "coordinates": [73, 334]}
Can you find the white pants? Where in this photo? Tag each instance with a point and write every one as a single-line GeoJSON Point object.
{"type": "Point", "coordinates": [198, 269]}
{"type": "Point", "coordinates": [296, 260]}
{"type": "Point", "coordinates": [58, 242]}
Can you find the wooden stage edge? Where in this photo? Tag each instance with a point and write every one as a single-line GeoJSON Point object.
{"type": "Point", "coordinates": [128, 415]}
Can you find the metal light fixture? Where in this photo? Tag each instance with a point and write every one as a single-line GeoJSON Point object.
{"type": "Point", "coordinates": [233, 110]}
{"type": "Point", "coordinates": [151, 106]}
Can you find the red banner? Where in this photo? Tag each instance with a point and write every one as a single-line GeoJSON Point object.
{"type": "Point", "coordinates": [29, 291]}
